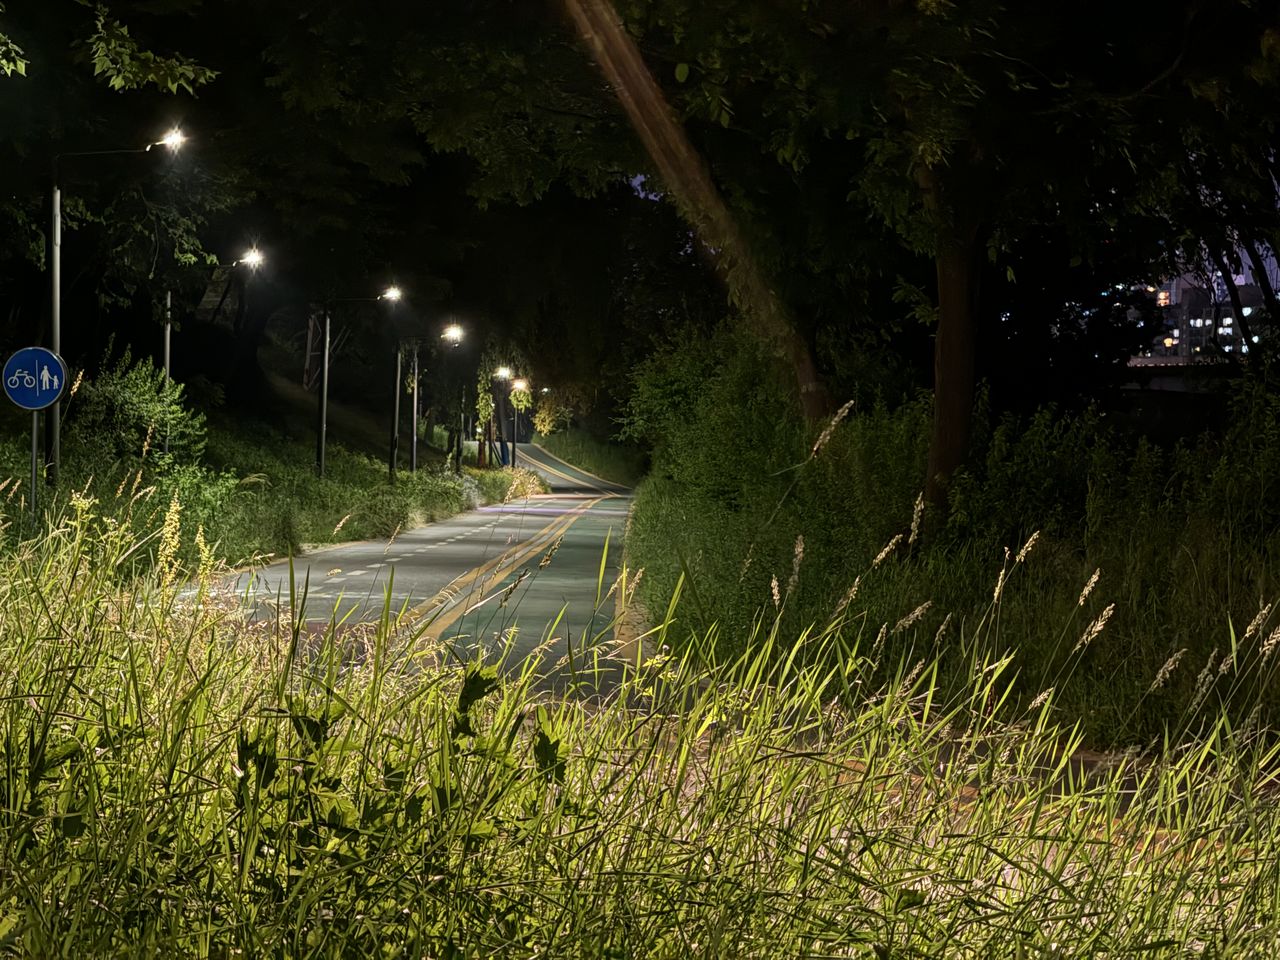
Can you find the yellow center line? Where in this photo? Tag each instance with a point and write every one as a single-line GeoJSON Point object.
{"type": "Point", "coordinates": [585, 473]}
{"type": "Point", "coordinates": [564, 476]}
{"type": "Point", "coordinates": [500, 567]}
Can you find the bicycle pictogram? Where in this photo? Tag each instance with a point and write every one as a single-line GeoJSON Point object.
{"type": "Point", "coordinates": [27, 380]}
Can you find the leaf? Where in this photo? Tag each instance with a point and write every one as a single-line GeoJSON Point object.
{"type": "Point", "coordinates": [546, 749]}
{"type": "Point", "coordinates": [682, 72]}
{"type": "Point", "coordinates": [478, 683]}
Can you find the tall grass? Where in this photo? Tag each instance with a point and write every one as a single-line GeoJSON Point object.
{"type": "Point", "coordinates": [617, 462]}
{"type": "Point", "coordinates": [178, 782]}
{"type": "Point", "coordinates": [1184, 539]}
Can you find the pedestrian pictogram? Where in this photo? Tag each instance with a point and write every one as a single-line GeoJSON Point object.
{"type": "Point", "coordinates": [34, 378]}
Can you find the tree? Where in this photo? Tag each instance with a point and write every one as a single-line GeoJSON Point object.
{"type": "Point", "coordinates": [966, 126]}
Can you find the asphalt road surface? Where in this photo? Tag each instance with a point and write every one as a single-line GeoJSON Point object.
{"type": "Point", "coordinates": [519, 573]}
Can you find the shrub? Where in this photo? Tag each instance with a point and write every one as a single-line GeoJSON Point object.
{"type": "Point", "coordinates": [130, 409]}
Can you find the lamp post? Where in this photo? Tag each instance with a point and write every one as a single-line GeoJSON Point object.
{"type": "Point", "coordinates": [252, 259]}
{"type": "Point", "coordinates": [391, 295]}
{"type": "Point", "coordinates": [174, 139]}
{"type": "Point", "coordinates": [453, 335]}
{"type": "Point", "coordinates": [503, 374]}
{"type": "Point", "coordinates": [518, 385]}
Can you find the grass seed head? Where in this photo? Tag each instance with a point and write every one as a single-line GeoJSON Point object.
{"type": "Point", "coordinates": [1166, 670]}
{"type": "Point", "coordinates": [1256, 623]}
{"type": "Point", "coordinates": [1269, 645]}
{"type": "Point", "coordinates": [1088, 587]}
{"type": "Point", "coordinates": [912, 617]}
{"type": "Point", "coordinates": [1095, 628]}
{"type": "Point", "coordinates": [917, 513]}
{"type": "Point", "coordinates": [796, 559]}
{"type": "Point", "coordinates": [888, 549]}
{"type": "Point", "coordinates": [830, 428]}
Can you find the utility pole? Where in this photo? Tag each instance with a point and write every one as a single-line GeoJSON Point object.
{"type": "Point", "coordinates": [168, 376]}
{"type": "Point", "coordinates": [322, 426]}
{"type": "Point", "coordinates": [413, 442]}
{"type": "Point", "coordinates": [395, 418]}
{"type": "Point", "coordinates": [53, 423]}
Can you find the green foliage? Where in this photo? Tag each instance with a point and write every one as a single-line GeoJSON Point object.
{"type": "Point", "coordinates": [522, 400]}
{"type": "Point", "coordinates": [611, 460]}
{"type": "Point", "coordinates": [119, 59]}
{"type": "Point", "coordinates": [557, 408]}
{"type": "Point", "coordinates": [180, 783]}
{"type": "Point", "coordinates": [12, 59]}
{"type": "Point", "coordinates": [1186, 538]}
{"type": "Point", "coordinates": [130, 409]}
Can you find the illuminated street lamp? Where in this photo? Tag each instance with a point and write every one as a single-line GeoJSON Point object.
{"type": "Point", "coordinates": [173, 140]}
{"type": "Point", "coordinates": [391, 294]}
{"type": "Point", "coordinates": [253, 259]}
{"type": "Point", "coordinates": [453, 333]}
{"type": "Point", "coordinates": [518, 385]}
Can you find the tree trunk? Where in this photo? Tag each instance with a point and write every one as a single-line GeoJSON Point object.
{"type": "Point", "coordinates": [1260, 277]}
{"type": "Point", "coordinates": [953, 365]}
{"type": "Point", "coordinates": [686, 175]}
{"type": "Point", "coordinates": [1233, 292]}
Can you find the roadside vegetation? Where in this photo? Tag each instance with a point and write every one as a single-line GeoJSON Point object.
{"type": "Point", "coordinates": [620, 463]}
{"type": "Point", "coordinates": [251, 490]}
{"type": "Point", "coordinates": [177, 782]}
{"type": "Point", "coordinates": [1140, 555]}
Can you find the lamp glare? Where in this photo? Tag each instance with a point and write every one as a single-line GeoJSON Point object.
{"type": "Point", "coordinates": [174, 139]}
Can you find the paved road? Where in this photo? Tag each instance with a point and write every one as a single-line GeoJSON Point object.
{"type": "Point", "coordinates": [479, 576]}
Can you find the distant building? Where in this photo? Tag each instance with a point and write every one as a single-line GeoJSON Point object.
{"type": "Point", "coordinates": [1200, 321]}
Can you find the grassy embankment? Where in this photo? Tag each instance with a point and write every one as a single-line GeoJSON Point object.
{"type": "Point", "coordinates": [610, 461]}
{"type": "Point", "coordinates": [175, 782]}
{"type": "Point", "coordinates": [250, 488]}
{"type": "Point", "coordinates": [1144, 556]}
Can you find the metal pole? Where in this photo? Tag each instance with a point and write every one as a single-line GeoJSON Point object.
{"type": "Point", "coordinates": [35, 459]}
{"type": "Point", "coordinates": [53, 439]}
{"type": "Point", "coordinates": [515, 431]}
{"type": "Point", "coordinates": [168, 319]}
{"type": "Point", "coordinates": [462, 427]}
{"type": "Point", "coordinates": [413, 443]}
{"type": "Point", "coordinates": [395, 420]}
{"type": "Point", "coordinates": [324, 395]}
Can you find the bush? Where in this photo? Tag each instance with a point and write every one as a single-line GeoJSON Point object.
{"type": "Point", "coordinates": [129, 410]}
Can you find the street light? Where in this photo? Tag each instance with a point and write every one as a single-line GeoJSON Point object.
{"type": "Point", "coordinates": [173, 140]}
{"type": "Point", "coordinates": [453, 333]}
{"type": "Point", "coordinates": [518, 385]}
{"type": "Point", "coordinates": [391, 294]}
{"type": "Point", "coordinates": [253, 259]}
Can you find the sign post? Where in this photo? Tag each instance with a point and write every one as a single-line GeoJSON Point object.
{"type": "Point", "coordinates": [34, 378]}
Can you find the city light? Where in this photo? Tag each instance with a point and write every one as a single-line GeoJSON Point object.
{"type": "Point", "coordinates": [503, 373]}
{"type": "Point", "coordinates": [252, 258]}
{"type": "Point", "coordinates": [453, 333]}
{"type": "Point", "coordinates": [519, 385]}
{"type": "Point", "coordinates": [392, 293]}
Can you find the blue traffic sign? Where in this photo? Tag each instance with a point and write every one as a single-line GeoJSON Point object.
{"type": "Point", "coordinates": [34, 378]}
